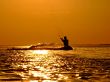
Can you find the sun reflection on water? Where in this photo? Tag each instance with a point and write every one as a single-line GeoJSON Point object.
{"type": "Point", "coordinates": [44, 67]}
{"type": "Point", "coordinates": [43, 81]}
{"type": "Point", "coordinates": [52, 66]}
{"type": "Point", "coordinates": [40, 52]}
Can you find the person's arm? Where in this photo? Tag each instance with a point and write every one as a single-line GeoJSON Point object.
{"type": "Point", "coordinates": [61, 39]}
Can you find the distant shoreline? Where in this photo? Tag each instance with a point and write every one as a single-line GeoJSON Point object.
{"type": "Point", "coordinates": [91, 45]}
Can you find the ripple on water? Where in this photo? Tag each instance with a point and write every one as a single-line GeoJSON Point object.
{"type": "Point", "coordinates": [53, 66]}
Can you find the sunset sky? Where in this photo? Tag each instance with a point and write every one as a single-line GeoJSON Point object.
{"type": "Point", "coordinates": [32, 21]}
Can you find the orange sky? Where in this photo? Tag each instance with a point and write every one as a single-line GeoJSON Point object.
{"type": "Point", "coordinates": [31, 21]}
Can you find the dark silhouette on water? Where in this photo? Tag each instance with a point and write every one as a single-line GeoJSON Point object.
{"type": "Point", "coordinates": [37, 47]}
{"type": "Point", "coordinates": [66, 43]}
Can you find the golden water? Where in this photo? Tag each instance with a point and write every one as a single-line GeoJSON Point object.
{"type": "Point", "coordinates": [78, 65]}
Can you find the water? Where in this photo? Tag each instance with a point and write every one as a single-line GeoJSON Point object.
{"type": "Point", "coordinates": [83, 64]}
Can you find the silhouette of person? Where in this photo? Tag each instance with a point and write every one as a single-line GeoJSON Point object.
{"type": "Point", "coordinates": [66, 44]}
{"type": "Point", "coordinates": [65, 41]}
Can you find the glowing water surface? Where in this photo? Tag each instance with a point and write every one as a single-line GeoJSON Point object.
{"type": "Point", "coordinates": [79, 65]}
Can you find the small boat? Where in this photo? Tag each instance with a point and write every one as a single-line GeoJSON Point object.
{"type": "Point", "coordinates": [48, 46]}
{"type": "Point", "coordinates": [42, 48]}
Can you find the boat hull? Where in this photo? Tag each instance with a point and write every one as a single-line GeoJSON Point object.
{"type": "Point", "coordinates": [35, 48]}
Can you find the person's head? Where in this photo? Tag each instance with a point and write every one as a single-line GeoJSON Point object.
{"type": "Point", "coordinates": [65, 37]}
